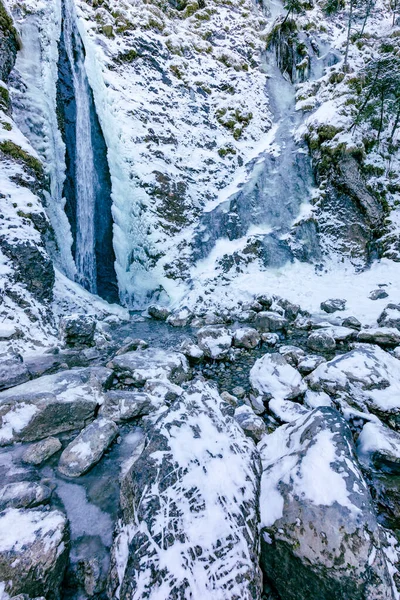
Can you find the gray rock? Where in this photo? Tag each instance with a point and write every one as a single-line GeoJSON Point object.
{"type": "Point", "coordinates": [321, 341]}
{"type": "Point", "coordinates": [184, 515]}
{"type": "Point", "coordinates": [192, 352]}
{"type": "Point", "coordinates": [161, 313]}
{"type": "Point", "coordinates": [378, 294]}
{"type": "Point", "coordinates": [43, 364]}
{"type": "Point", "coordinates": [352, 323]}
{"type": "Point", "coordinates": [239, 392]}
{"type": "Point", "coordinates": [320, 537]}
{"type": "Point", "coordinates": [38, 453]}
{"type": "Point", "coordinates": [390, 316]}
{"type": "Point", "coordinates": [293, 354]}
{"type": "Point", "coordinates": [87, 448]}
{"type": "Point", "coordinates": [77, 330]}
{"type": "Point", "coordinates": [246, 316]}
{"type": "Point", "coordinates": [310, 363]}
{"type": "Point", "coordinates": [271, 339]}
{"type": "Point", "coordinates": [246, 337]}
{"type": "Point", "coordinates": [213, 319]}
{"type": "Point", "coordinates": [253, 425]}
{"type": "Point", "coordinates": [379, 446]}
{"type": "Point", "coordinates": [33, 552]}
{"type": "Point", "coordinates": [265, 300]}
{"type": "Point", "coordinates": [333, 305]}
{"type": "Point", "coordinates": [383, 336]}
{"type": "Point", "coordinates": [136, 368]}
{"type": "Point", "coordinates": [291, 309]}
{"type": "Point", "coordinates": [24, 494]}
{"type": "Point", "coordinates": [286, 411]}
{"type": "Point", "coordinates": [272, 376]}
{"type": "Point", "coordinates": [12, 372]}
{"type": "Point", "coordinates": [181, 318]}
{"type": "Point", "coordinates": [270, 322]}
{"type": "Point", "coordinates": [51, 404]}
{"type": "Point", "coordinates": [131, 346]}
{"type": "Point", "coordinates": [215, 342]}
{"type": "Point", "coordinates": [342, 334]}
{"type": "Point", "coordinates": [124, 405]}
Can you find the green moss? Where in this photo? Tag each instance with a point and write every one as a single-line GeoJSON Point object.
{"type": "Point", "coordinates": [108, 31]}
{"type": "Point", "coordinates": [18, 153]}
{"type": "Point", "coordinates": [127, 57]}
{"type": "Point", "coordinates": [226, 150]}
{"type": "Point", "coordinates": [4, 96]}
{"type": "Point", "coordinates": [6, 126]}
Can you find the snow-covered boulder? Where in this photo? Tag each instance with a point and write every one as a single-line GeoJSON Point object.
{"type": "Point", "coordinates": [161, 313]}
{"type": "Point", "coordinates": [378, 294]}
{"type": "Point", "coordinates": [390, 316]}
{"type": "Point", "coordinates": [214, 341]}
{"type": "Point", "coordinates": [192, 351]}
{"type": "Point", "coordinates": [38, 453]}
{"type": "Point", "coordinates": [333, 305]}
{"type": "Point", "coordinates": [51, 404]}
{"type": "Point", "coordinates": [252, 425]}
{"type": "Point", "coordinates": [33, 552]}
{"type": "Point", "coordinates": [180, 318]}
{"type": "Point", "coordinates": [77, 330]}
{"type": "Point", "coordinates": [292, 354]}
{"type": "Point", "coordinates": [342, 334]}
{"type": "Point", "coordinates": [380, 446]}
{"type": "Point", "coordinates": [135, 368]}
{"type": "Point", "coordinates": [352, 323]}
{"type": "Point", "coordinates": [246, 337]}
{"type": "Point", "coordinates": [189, 526]}
{"type": "Point", "coordinates": [368, 377]}
{"type": "Point", "coordinates": [321, 341]}
{"type": "Point", "coordinates": [383, 336]}
{"type": "Point", "coordinates": [24, 494]}
{"type": "Point", "coordinates": [273, 377]}
{"type": "Point", "coordinates": [286, 411]}
{"type": "Point", "coordinates": [320, 537]}
{"type": "Point", "coordinates": [124, 405]}
{"type": "Point", "coordinates": [268, 321]}
{"type": "Point", "coordinates": [44, 364]}
{"type": "Point", "coordinates": [87, 448]}
{"type": "Point", "coordinates": [12, 372]}
{"type": "Point", "coordinates": [309, 363]}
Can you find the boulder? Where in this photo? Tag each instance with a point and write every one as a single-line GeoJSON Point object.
{"type": "Point", "coordinates": [390, 316]}
{"type": "Point", "coordinates": [273, 377]}
{"type": "Point", "coordinates": [135, 368]}
{"type": "Point", "coordinates": [378, 294]}
{"type": "Point", "coordinates": [87, 448]}
{"type": "Point", "coordinates": [246, 337]}
{"type": "Point", "coordinates": [124, 405]}
{"type": "Point", "coordinates": [44, 364]}
{"type": "Point", "coordinates": [316, 399]}
{"type": "Point", "coordinates": [215, 342]}
{"type": "Point", "coordinates": [321, 341]}
{"type": "Point", "coordinates": [51, 404]}
{"type": "Point", "coordinates": [342, 334]}
{"type": "Point", "coordinates": [265, 300]}
{"type": "Point", "coordinates": [189, 525]}
{"type": "Point", "coordinates": [192, 352]}
{"type": "Point", "coordinates": [310, 363]}
{"type": "Point", "coordinates": [268, 321]}
{"type": "Point", "coordinates": [286, 411]}
{"type": "Point", "coordinates": [161, 313]}
{"type": "Point", "coordinates": [38, 453]}
{"type": "Point", "coordinates": [379, 446]}
{"type": "Point", "coordinates": [320, 537]}
{"type": "Point", "coordinates": [293, 354]}
{"type": "Point", "coordinates": [383, 336]}
{"type": "Point", "coordinates": [77, 330]}
{"type": "Point", "coordinates": [271, 339]}
{"type": "Point", "coordinates": [13, 372]}
{"type": "Point", "coordinates": [131, 345]}
{"type": "Point", "coordinates": [253, 425]}
{"type": "Point", "coordinates": [33, 552]}
{"type": "Point", "coordinates": [180, 318]}
{"type": "Point", "coordinates": [24, 494]}
{"type": "Point", "coordinates": [291, 309]}
{"type": "Point", "coordinates": [352, 323]}
{"type": "Point", "coordinates": [333, 305]}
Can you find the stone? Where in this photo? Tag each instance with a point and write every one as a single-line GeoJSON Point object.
{"type": "Point", "coordinates": [246, 316]}
{"type": "Point", "coordinates": [271, 339]}
{"type": "Point", "coordinates": [192, 351]}
{"type": "Point", "coordinates": [265, 300]}
{"type": "Point", "coordinates": [44, 364]}
{"type": "Point", "coordinates": [292, 354]}
{"type": "Point", "coordinates": [256, 404]}
{"type": "Point", "coordinates": [136, 368]}
{"type": "Point", "coordinates": [273, 377]}
{"type": "Point", "coordinates": [181, 318]}
{"type": "Point", "coordinates": [378, 294]}
{"type": "Point", "coordinates": [316, 399]}
{"type": "Point", "coordinates": [13, 372]}
{"type": "Point", "coordinates": [321, 341]}
{"type": "Point", "coordinates": [351, 322]}
{"type": "Point", "coordinates": [51, 404]}
{"type": "Point", "coordinates": [215, 342]}
{"type": "Point", "coordinates": [213, 319]}
{"type": "Point", "coordinates": [286, 411]}
{"type": "Point", "coordinates": [333, 305]}
{"type": "Point", "coordinates": [379, 446]}
{"type": "Point", "coordinates": [310, 362]}
{"type": "Point", "coordinates": [8, 331]}
{"type": "Point", "coordinates": [320, 538]}
{"type": "Point", "coordinates": [132, 345]}
{"type": "Point", "coordinates": [124, 405]}
{"type": "Point", "coordinates": [253, 425]}
{"type": "Point", "coordinates": [246, 337]}
{"type": "Point", "coordinates": [291, 309]}
{"type": "Point", "coordinates": [342, 334]}
{"type": "Point", "coordinates": [239, 392]}
{"type": "Point", "coordinates": [383, 336]}
{"type": "Point", "coordinates": [87, 448]}
{"type": "Point", "coordinates": [161, 313]}
{"type": "Point", "coordinates": [24, 494]}
{"type": "Point", "coordinates": [390, 316]}
{"type": "Point", "coordinates": [77, 330]}
{"type": "Point", "coordinates": [33, 552]}
{"type": "Point", "coordinates": [38, 453]}
{"type": "Point", "coordinates": [270, 322]}
{"type": "Point", "coordinates": [184, 515]}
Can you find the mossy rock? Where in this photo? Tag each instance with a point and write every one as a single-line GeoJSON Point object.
{"type": "Point", "coordinates": [16, 152]}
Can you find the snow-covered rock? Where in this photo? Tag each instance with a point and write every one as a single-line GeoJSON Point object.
{"type": "Point", "coordinates": [38, 453]}
{"type": "Point", "coordinates": [189, 526]}
{"type": "Point", "coordinates": [214, 341]}
{"type": "Point", "coordinates": [383, 336]}
{"type": "Point", "coordinates": [333, 305]}
{"type": "Point", "coordinates": [310, 363]}
{"type": "Point", "coordinates": [160, 313]}
{"type": "Point", "coordinates": [273, 377]}
{"type": "Point", "coordinates": [352, 323]}
{"type": "Point", "coordinates": [390, 316]}
{"type": "Point", "coordinates": [135, 368]}
{"type": "Point", "coordinates": [51, 404]}
{"type": "Point", "coordinates": [24, 494]}
{"type": "Point", "coordinates": [286, 411]}
{"type": "Point", "coordinates": [380, 446]}
{"type": "Point", "coordinates": [87, 448]}
{"type": "Point", "coordinates": [321, 341]}
{"type": "Point", "coordinates": [181, 318]}
{"type": "Point", "coordinates": [77, 330]}
{"type": "Point", "coordinates": [268, 321]}
{"type": "Point", "coordinates": [378, 294]}
{"type": "Point", "coordinates": [316, 399]}
{"type": "Point", "coordinates": [246, 337]}
{"type": "Point", "coordinates": [320, 537]}
{"type": "Point", "coordinates": [124, 405]}
{"type": "Point", "coordinates": [292, 354]}
{"type": "Point", "coordinates": [252, 425]}
{"type": "Point", "coordinates": [33, 552]}
{"type": "Point", "coordinates": [192, 351]}
{"type": "Point", "coordinates": [12, 372]}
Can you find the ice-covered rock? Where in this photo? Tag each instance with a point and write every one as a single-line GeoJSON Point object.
{"type": "Point", "coordinates": [321, 341]}
{"type": "Point", "coordinates": [38, 453]}
{"type": "Point", "coordinates": [33, 552]}
{"type": "Point", "coordinates": [189, 526]}
{"type": "Point", "coordinates": [12, 372]}
{"type": "Point", "coordinates": [368, 377]}
{"type": "Point", "coordinates": [51, 404]}
{"type": "Point", "coordinates": [77, 330]}
{"type": "Point", "coordinates": [246, 337]}
{"type": "Point", "coordinates": [7, 331]}
{"type": "Point", "coordinates": [383, 336]}
{"type": "Point", "coordinates": [273, 377]}
{"type": "Point", "coordinates": [268, 321]}
{"type": "Point", "coordinates": [320, 537]}
{"type": "Point", "coordinates": [214, 341]}
{"type": "Point", "coordinates": [24, 494]}
{"type": "Point", "coordinates": [271, 339]}
{"type": "Point", "coordinates": [380, 446]}
{"type": "Point", "coordinates": [310, 363]}
{"type": "Point", "coordinates": [87, 448]}
{"type": "Point", "coordinates": [135, 368]}
{"type": "Point", "coordinates": [390, 316]}
{"type": "Point", "coordinates": [252, 425]}
{"type": "Point", "coordinates": [161, 313]}
{"type": "Point", "coordinates": [124, 405]}
{"type": "Point", "coordinates": [333, 305]}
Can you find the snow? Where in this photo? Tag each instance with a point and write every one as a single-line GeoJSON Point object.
{"type": "Point", "coordinates": [16, 420]}
{"type": "Point", "coordinates": [19, 528]}
{"type": "Point", "coordinates": [375, 437]}
{"type": "Point", "coordinates": [276, 378]}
